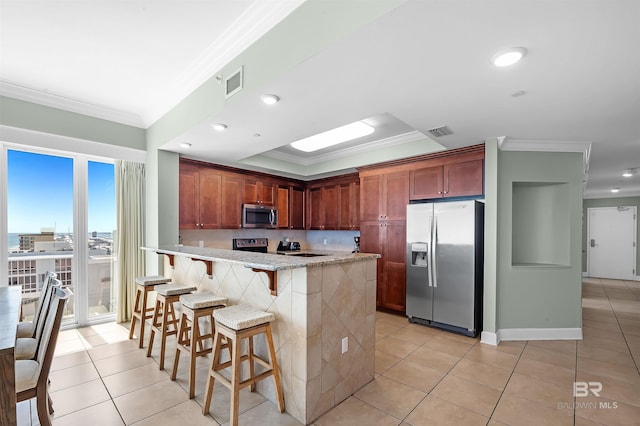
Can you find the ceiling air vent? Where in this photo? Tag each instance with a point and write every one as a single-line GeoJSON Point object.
{"type": "Point", "coordinates": [440, 131]}
{"type": "Point", "coordinates": [233, 83]}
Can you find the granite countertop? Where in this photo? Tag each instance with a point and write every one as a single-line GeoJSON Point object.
{"type": "Point", "coordinates": [264, 261]}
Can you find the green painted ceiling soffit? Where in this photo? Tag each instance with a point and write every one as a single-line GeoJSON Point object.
{"type": "Point", "coordinates": [39, 118]}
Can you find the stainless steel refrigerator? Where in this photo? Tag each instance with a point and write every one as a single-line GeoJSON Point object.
{"type": "Point", "coordinates": [445, 243]}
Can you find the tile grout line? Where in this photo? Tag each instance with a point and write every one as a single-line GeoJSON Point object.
{"type": "Point", "coordinates": [508, 380]}
{"type": "Point", "coordinates": [624, 336]}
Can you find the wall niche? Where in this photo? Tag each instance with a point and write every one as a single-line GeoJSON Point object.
{"type": "Point", "coordinates": [541, 218]}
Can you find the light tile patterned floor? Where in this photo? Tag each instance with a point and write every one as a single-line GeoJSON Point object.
{"type": "Point", "coordinates": [423, 377]}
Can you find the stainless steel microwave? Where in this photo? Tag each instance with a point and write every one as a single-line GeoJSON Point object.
{"type": "Point", "coordinates": [259, 216]}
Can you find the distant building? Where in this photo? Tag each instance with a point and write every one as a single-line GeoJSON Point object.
{"type": "Point", "coordinates": [94, 234]}
{"type": "Point", "coordinates": [28, 241]}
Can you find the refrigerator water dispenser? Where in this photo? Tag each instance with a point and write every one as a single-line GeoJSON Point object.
{"type": "Point", "coordinates": [419, 254]}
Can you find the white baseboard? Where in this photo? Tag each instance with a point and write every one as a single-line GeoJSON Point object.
{"type": "Point", "coordinates": [539, 334]}
{"type": "Point", "coordinates": [489, 338]}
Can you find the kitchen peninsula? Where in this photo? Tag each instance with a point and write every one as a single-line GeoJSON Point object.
{"type": "Point", "coordinates": [322, 304]}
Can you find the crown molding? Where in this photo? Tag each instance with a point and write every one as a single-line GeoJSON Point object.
{"type": "Point", "coordinates": [355, 150]}
{"type": "Point", "coordinates": [508, 144]}
{"type": "Point", "coordinates": [40, 97]}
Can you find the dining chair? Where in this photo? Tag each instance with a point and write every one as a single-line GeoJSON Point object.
{"type": "Point", "coordinates": [27, 347]}
{"type": "Point", "coordinates": [32, 375]}
{"type": "Point", "coordinates": [28, 328]}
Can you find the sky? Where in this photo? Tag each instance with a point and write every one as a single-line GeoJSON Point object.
{"type": "Point", "coordinates": [40, 194]}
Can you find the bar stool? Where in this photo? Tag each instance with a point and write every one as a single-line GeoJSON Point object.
{"type": "Point", "coordinates": [141, 312]}
{"type": "Point", "coordinates": [190, 338]}
{"type": "Point", "coordinates": [234, 324]}
{"type": "Point", "coordinates": [164, 319]}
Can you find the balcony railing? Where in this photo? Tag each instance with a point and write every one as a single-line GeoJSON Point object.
{"type": "Point", "coordinates": [28, 269]}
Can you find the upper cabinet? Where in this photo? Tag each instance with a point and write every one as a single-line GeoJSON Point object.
{"type": "Point", "coordinates": [290, 205]}
{"type": "Point", "coordinates": [256, 191]}
{"type": "Point", "coordinates": [211, 196]}
{"type": "Point", "coordinates": [384, 196]}
{"type": "Point", "coordinates": [232, 202]}
{"type": "Point", "coordinates": [322, 207]}
{"type": "Point", "coordinates": [199, 199]}
{"type": "Point", "coordinates": [349, 205]}
{"type": "Point", "coordinates": [455, 179]}
{"type": "Point", "coordinates": [333, 203]}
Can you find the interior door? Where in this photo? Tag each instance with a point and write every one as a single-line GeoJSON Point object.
{"type": "Point", "coordinates": [611, 242]}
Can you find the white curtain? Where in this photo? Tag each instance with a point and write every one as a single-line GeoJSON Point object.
{"type": "Point", "coordinates": [130, 261]}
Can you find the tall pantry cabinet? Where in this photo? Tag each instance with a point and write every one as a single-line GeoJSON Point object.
{"type": "Point", "coordinates": [384, 197]}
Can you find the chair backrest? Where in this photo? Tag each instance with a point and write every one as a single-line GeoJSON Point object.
{"type": "Point", "coordinates": [51, 328]}
{"type": "Point", "coordinates": [46, 287]}
{"type": "Point", "coordinates": [46, 306]}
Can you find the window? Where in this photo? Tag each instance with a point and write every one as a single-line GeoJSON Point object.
{"type": "Point", "coordinates": [60, 217]}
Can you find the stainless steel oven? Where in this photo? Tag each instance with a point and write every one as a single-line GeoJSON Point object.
{"type": "Point", "coordinates": [258, 245]}
{"type": "Point", "coordinates": [259, 216]}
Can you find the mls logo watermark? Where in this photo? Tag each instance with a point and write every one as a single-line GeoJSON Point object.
{"type": "Point", "coordinates": [583, 389]}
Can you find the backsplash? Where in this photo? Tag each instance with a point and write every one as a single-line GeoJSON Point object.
{"type": "Point", "coordinates": [318, 240]}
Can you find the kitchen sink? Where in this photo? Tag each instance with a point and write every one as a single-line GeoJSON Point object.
{"type": "Point", "coordinates": [307, 254]}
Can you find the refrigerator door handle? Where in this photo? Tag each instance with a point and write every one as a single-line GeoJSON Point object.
{"type": "Point", "coordinates": [434, 245]}
{"type": "Point", "coordinates": [429, 266]}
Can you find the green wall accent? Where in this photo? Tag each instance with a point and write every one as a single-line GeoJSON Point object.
{"type": "Point", "coordinates": [609, 202]}
{"type": "Point", "coordinates": [40, 118]}
{"type": "Point", "coordinates": [539, 295]}
{"type": "Point", "coordinates": [490, 296]}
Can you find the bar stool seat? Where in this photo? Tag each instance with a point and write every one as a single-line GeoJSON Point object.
{"type": "Point", "coordinates": [233, 324]}
{"type": "Point", "coordinates": [141, 312]}
{"type": "Point", "coordinates": [164, 319]}
{"type": "Point", "coordinates": [191, 338]}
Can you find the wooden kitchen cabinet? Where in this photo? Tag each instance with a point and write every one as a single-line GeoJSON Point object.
{"type": "Point", "coordinates": [388, 238]}
{"type": "Point", "coordinates": [384, 196]}
{"type": "Point", "coordinates": [322, 208]}
{"type": "Point", "coordinates": [290, 205]}
{"type": "Point", "coordinates": [457, 179]}
{"type": "Point", "coordinates": [334, 203]}
{"type": "Point", "coordinates": [255, 191]}
{"type": "Point", "coordinates": [199, 198]}
{"type": "Point", "coordinates": [296, 207]}
{"type": "Point", "coordinates": [349, 205]}
{"type": "Point", "coordinates": [232, 206]}
{"type": "Point", "coordinates": [282, 204]}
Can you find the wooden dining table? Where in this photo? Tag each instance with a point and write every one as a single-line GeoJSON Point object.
{"type": "Point", "coordinates": [10, 301]}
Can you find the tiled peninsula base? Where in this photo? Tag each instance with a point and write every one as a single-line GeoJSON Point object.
{"type": "Point", "coordinates": [316, 307]}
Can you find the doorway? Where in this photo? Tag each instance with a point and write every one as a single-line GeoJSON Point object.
{"type": "Point", "coordinates": [611, 242]}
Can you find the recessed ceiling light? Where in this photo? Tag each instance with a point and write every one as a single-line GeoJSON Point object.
{"type": "Point", "coordinates": [185, 145]}
{"type": "Point", "coordinates": [219, 126]}
{"type": "Point", "coordinates": [615, 189]}
{"type": "Point", "coordinates": [508, 57]}
{"type": "Point", "coordinates": [333, 137]}
{"type": "Point", "coordinates": [270, 99]}
{"type": "Point", "coordinates": [629, 172]}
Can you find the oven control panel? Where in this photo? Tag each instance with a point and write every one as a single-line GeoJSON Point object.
{"type": "Point", "coordinates": [248, 244]}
